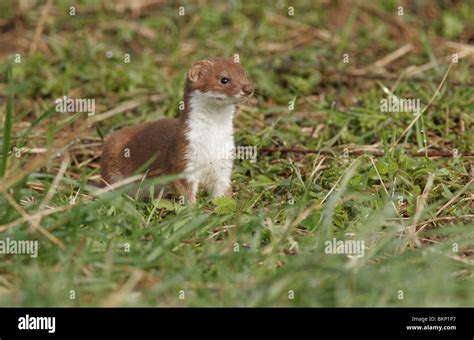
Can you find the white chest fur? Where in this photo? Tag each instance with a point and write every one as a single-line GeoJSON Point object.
{"type": "Point", "coordinates": [211, 143]}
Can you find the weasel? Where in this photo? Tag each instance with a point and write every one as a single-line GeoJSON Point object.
{"type": "Point", "coordinates": [198, 144]}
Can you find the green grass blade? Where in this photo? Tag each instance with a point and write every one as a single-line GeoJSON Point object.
{"type": "Point", "coordinates": [8, 124]}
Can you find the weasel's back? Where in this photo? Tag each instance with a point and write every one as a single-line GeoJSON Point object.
{"type": "Point", "coordinates": [128, 149]}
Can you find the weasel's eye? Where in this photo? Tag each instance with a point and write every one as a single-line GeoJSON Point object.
{"type": "Point", "coordinates": [225, 80]}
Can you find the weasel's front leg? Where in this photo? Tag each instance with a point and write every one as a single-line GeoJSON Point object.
{"type": "Point", "coordinates": [221, 187]}
{"type": "Point", "coordinates": [188, 189]}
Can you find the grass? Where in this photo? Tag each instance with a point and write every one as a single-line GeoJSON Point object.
{"type": "Point", "coordinates": [407, 193]}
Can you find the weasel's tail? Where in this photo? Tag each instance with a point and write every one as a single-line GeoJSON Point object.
{"type": "Point", "coordinates": [98, 183]}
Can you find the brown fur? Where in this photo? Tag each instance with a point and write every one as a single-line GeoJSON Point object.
{"type": "Point", "coordinates": [159, 142]}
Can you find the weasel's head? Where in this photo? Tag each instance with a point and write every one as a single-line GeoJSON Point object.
{"type": "Point", "coordinates": [221, 81]}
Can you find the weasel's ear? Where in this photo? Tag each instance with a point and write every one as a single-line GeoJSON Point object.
{"type": "Point", "coordinates": [198, 69]}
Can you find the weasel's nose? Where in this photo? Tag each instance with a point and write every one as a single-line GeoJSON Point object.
{"type": "Point", "coordinates": [247, 89]}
